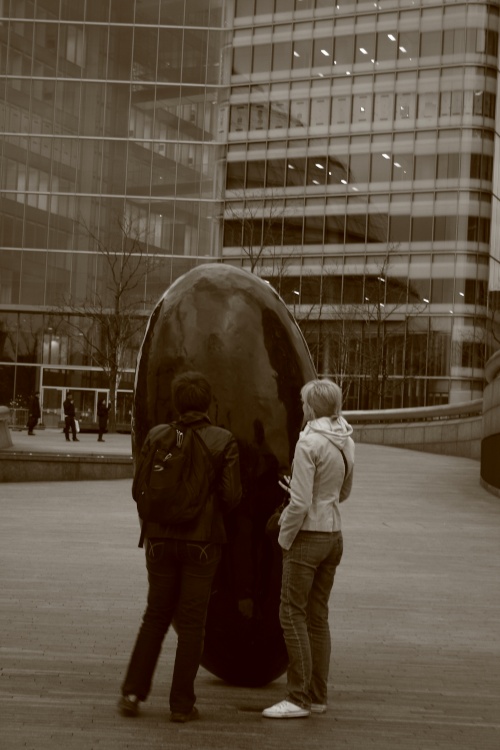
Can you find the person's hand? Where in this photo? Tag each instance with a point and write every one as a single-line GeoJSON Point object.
{"type": "Point", "coordinates": [284, 482]}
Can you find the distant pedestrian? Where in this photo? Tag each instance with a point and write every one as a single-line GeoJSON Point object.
{"type": "Point", "coordinates": [34, 413]}
{"type": "Point", "coordinates": [102, 416]}
{"type": "Point", "coordinates": [311, 539]}
{"type": "Point", "coordinates": [69, 417]}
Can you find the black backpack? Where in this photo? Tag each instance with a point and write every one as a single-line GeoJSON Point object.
{"type": "Point", "coordinates": [174, 474]}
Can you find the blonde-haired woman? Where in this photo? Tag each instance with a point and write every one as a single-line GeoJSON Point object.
{"type": "Point", "coordinates": [311, 539]}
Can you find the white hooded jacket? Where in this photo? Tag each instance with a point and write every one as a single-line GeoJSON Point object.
{"type": "Point", "coordinates": [319, 479]}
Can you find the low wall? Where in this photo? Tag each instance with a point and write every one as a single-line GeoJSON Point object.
{"type": "Point", "coordinates": [454, 438]}
{"type": "Point", "coordinates": [452, 430]}
{"type": "Point", "coordinates": [490, 453]}
{"type": "Point", "coordinates": [5, 437]}
{"type": "Point", "coordinates": [53, 467]}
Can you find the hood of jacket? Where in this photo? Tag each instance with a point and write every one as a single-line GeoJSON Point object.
{"type": "Point", "coordinates": [336, 429]}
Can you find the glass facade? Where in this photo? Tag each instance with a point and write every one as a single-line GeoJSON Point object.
{"type": "Point", "coordinates": [109, 115]}
{"type": "Point", "coordinates": [360, 180]}
{"type": "Point", "coordinates": [344, 152]}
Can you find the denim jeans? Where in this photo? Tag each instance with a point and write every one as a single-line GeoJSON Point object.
{"type": "Point", "coordinates": [308, 572]}
{"type": "Point", "coordinates": [180, 575]}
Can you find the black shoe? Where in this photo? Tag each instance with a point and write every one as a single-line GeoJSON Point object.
{"type": "Point", "coordinates": [75, 440]}
{"type": "Point", "coordinates": [31, 433]}
{"type": "Point", "coordinates": [182, 718]}
{"type": "Point", "coordinates": [128, 705]}
{"type": "Point", "coordinates": [100, 440]}
{"type": "Point", "coordinates": [68, 440]}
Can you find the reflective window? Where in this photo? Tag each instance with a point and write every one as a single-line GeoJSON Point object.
{"type": "Point", "coordinates": [323, 53]}
{"type": "Point", "coordinates": [399, 229]}
{"type": "Point", "coordinates": [299, 113]}
{"type": "Point", "coordinates": [242, 60]}
{"type": "Point", "coordinates": [355, 228]}
{"type": "Point", "coordinates": [384, 107]}
{"type": "Point", "coordinates": [316, 170]}
{"type": "Point", "coordinates": [428, 106]}
{"type": "Point", "coordinates": [255, 174]}
{"type": "Point", "coordinates": [381, 167]}
{"type": "Point", "coordinates": [278, 115]}
{"type": "Point", "coordinates": [448, 166]}
{"type": "Point", "coordinates": [320, 112]}
{"type": "Point", "coordinates": [262, 56]}
{"type": "Point", "coordinates": [258, 117]}
{"type": "Point", "coordinates": [239, 117]}
{"type": "Point", "coordinates": [334, 229]}
{"type": "Point", "coordinates": [313, 234]}
{"type": "Point", "coordinates": [341, 110]}
{"type": "Point", "coordinates": [344, 50]}
{"type": "Point", "coordinates": [301, 54]}
{"type": "Point", "coordinates": [425, 167]}
{"type": "Point", "coordinates": [445, 228]}
{"type": "Point", "coordinates": [405, 106]}
{"type": "Point", "coordinates": [359, 168]}
{"type": "Point", "coordinates": [422, 229]}
{"type": "Point", "coordinates": [282, 56]}
{"type": "Point", "coordinates": [402, 167]}
{"type": "Point", "coordinates": [430, 44]}
{"type": "Point", "coordinates": [362, 108]}
{"type": "Point", "coordinates": [365, 48]}
{"type": "Point", "coordinates": [295, 172]}
{"type": "Point", "coordinates": [276, 170]}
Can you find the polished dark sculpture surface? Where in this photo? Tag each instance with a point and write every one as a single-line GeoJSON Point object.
{"type": "Point", "coordinates": [233, 327]}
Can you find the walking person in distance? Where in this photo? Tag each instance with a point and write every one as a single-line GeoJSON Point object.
{"type": "Point", "coordinates": [102, 417]}
{"type": "Point", "coordinates": [69, 417]}
{"type": "Point", "coordinates": [35, 413]}
{"type": "Point", "coordinates": [311, 539]}
{"type": "Point", "coordinates": [182, 560]}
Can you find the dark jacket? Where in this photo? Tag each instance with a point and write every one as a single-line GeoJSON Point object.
{"type": "Point", "coordinates": [209, 525]}
{"type": "Point", "coordinates": [34, 408]}
{"type": "Point", "coordinates": [69, 408]}
{"type": "Point", "coordinates": [102, 414]}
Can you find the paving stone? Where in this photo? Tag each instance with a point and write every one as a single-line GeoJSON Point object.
{"type": "Point", "coordinates": [415, 616]}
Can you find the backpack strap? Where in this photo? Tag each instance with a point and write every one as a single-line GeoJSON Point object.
{"type": "Point", "coordinates": [346, 466]}
{"type": "Point", "coordinates": [207, 450]}
{"type": "Point", "coordinates": [195, 426]}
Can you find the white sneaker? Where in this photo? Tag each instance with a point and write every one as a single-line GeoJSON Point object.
{"type": "Point", "coordinates": [318, 708]}
{"type": "Point", "coordinates": [285, 710]}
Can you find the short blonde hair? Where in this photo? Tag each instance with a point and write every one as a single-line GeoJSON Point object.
{"type": "Point", "coordinates": [321, 398]}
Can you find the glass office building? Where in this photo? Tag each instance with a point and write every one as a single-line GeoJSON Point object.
{"type": "Point", "coordinates": [344, 151]}
{"type": "Point", "coordinates": [109, 114]}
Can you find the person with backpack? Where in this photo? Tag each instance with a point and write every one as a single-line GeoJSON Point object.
{"type": "Point", "coordinates": [311, 539]}
{"type": "Point", "coordinates": [187, 478]}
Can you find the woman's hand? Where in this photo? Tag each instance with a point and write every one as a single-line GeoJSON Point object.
{"type": "Point", "coordinates": [284, 482]}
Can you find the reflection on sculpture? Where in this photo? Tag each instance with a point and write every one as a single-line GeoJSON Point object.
{"type": "Point", "coordinates": [235, 329]}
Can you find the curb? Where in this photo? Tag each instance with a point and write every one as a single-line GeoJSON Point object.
{"type": "Point", "coordinates": [53, 467]}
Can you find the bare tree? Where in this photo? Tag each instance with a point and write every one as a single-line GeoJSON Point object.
{"type": "Point", "coordinates": [360, 335]}
{"type": "Point", "coordinates": [110, 318]}
{"type": "Point", "coordinates": [256, 227]}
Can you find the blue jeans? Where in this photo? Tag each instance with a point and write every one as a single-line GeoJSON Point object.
{"type": "Point", "coordinates": [180, 575]}
{"type": "Point", "coordinates": [308, 572]}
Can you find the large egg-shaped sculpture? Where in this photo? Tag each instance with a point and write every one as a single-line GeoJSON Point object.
{"type": "Point", "coordinates": [234, 328]}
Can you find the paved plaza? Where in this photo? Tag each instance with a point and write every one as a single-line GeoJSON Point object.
{"type": "Point", "coordinates": [415, 617]}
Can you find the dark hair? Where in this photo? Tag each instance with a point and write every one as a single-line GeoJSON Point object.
{"type": "Point", "coordinates": [191, 391]}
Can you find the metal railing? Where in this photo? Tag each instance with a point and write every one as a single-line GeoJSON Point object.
{"type": "Point", "coordinates": [417, 414]}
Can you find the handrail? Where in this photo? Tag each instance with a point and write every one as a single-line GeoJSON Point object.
{"type": "Point", "coordinates": [417, 414]}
